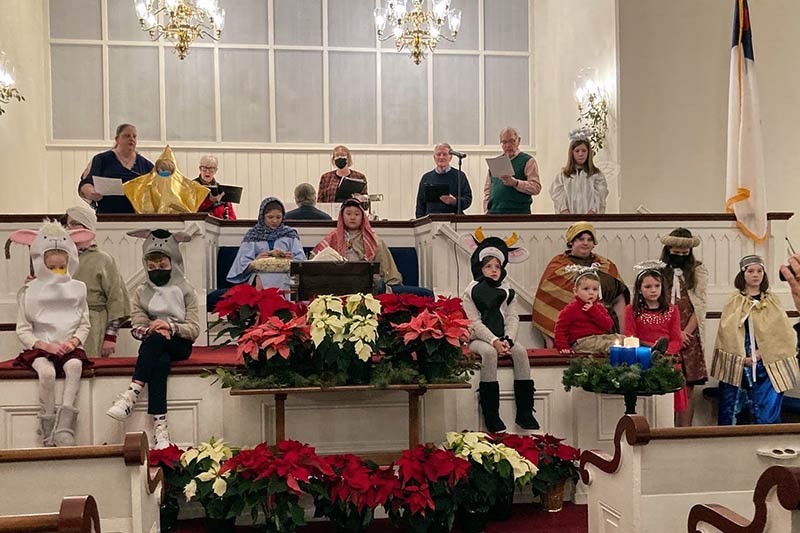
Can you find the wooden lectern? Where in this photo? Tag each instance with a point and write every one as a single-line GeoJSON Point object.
{"type": "Point", "coordinates": [312, 278]}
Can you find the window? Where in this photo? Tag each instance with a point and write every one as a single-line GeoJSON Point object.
{"type": "Point", "coordinates": [308, 72]}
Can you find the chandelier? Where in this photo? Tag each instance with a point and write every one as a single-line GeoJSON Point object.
{"type": "Point", "coordinates": [185, 21]}
{"type": "Point", "coordinates": [592, 101]}
{"type": "Point", "coordinates": [417, 30]}
{"type": "Point", "coordinates": [7, 89]}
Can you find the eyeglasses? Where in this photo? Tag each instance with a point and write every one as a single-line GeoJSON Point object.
{"type": "Point", "coordinates": [509, 141]}
{"type": "Point", "coordinates": [208, 169]}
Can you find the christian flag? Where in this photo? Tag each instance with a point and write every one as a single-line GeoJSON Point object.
{"type": "Point", "coordinates": [745, 190]}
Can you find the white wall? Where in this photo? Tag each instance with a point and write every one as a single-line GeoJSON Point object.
{"type": "Point", "coordinates": [673, 89]}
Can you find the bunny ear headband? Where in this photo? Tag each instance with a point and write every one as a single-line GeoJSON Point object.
{"type": "Point", "coordinates": [650, 265]}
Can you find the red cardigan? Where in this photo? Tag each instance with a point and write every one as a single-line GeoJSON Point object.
{"type": "Point", "coordinates": [574, 323]}
{"type": "Point", "coordinates": [652, 325]}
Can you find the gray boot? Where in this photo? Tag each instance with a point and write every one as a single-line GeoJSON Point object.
{"type": "Point", "coordinates": [46, 425]}
{"type": "Point", "coordinates": [64, 434]}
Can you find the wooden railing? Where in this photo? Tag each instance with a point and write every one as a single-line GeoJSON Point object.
{"type": "Point", "coordinates": [786, 482]}
{"type": "Point", "coordinates": [78, 514]}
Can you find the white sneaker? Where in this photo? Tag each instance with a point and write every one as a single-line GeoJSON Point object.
{"type": "Point", "coordinates": [123, 406]}
{"type": "Point", "coordinates": [161, 437]}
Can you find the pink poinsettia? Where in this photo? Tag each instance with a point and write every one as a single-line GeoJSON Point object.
{"type": "Point", "coordinates": [274, 336]}
{"type": "Point", "coordinates": [432, 325]}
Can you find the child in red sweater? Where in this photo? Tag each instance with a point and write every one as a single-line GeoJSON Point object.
{"type": "Point", "coordinates": [584, 324]}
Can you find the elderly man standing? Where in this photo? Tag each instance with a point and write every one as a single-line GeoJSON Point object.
{"type": "Point", "coordinates": [511, 195]}
{"type": "Point", "coordinates": [443, 176]}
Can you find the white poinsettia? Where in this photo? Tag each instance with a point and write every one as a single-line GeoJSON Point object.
{"type": "Point", "coordinates": [479, 448]}
{"type": "Point", "coordinates": [205, 462]}
{"type": "Point", "coordinates": [354, 322]}
{"type": "Point", "coordinates": [190, 490]}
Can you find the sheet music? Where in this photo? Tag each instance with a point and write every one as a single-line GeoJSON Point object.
{"type": "Point", "coordinates": [108, 186]}
{"type": "Point", "coordinates": [500, 166]}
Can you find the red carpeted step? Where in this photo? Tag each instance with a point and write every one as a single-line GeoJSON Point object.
{"type": "Point", "coordinates": [526, 518]}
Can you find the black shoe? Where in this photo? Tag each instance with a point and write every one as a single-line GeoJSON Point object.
{"type": "Point", "coordinates": [523, 396]}
{"type": "Point", "coordinates": [490, 406]}
{"type": "Point", "coordinates": [661, 345]}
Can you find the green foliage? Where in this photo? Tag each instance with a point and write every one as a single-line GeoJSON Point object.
{"type": "Point", "coordinates": [597, 375]}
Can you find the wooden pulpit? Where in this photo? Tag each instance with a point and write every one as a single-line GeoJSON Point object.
{"type": "Point", "coordinates": [312, 278]}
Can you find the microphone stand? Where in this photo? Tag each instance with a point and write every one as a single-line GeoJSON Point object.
{"type": "Point", "coordinates": [455, 221]}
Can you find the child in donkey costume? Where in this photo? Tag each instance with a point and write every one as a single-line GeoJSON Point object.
{"type": "Point", "coordinates": [52, 324]}
{"type": "Point", "coordinates": [490, 303]}
{"type": "Point", "coordinates": [165, 317]}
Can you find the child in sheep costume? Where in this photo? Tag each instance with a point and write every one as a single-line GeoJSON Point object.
{"type": "Point", "coordinates": [165, 317]}
{"type": "Point", "coordinates": [490, 303]}
{"type": "Point", "coordinates": [52, 325]}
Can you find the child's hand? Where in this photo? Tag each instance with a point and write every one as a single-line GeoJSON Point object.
{"type": "Point", "coordinates": [587, 306]}
{"type": "Point", "coordinates": [108, 348]}
{"type": "Point", "coordinates": [160, 326]}
{"type": "Point", "coordinates": [685, 338]}
{"type": "Point", "coordinates": [67, 347]}
{"type": "Point", "coordinates": [500, 346]}
{"type": "Point", "coordinates": [49, 347]}
{"type": "Point", "coordinates": [748, 361]}
{"type": "Point", "coordinates": [566, 351]}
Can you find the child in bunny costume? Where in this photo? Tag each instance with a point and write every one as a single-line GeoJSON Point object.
{"type": "Point", "coordinates": [490, 303]}
{"type": "Point", "coordinates": [52, 324]}
{"type": "Point", "coordinates": [165, 317]}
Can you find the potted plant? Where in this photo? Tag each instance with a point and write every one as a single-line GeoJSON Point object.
{"type": "Point", "coordinates": [344, 332]}
{"type": "Point", "coordinates": [243, 306]}
{"type": "Point", "coordinates": [495, 470]}
{"type": "Point", "coordinates": [273, 481]}
{"type": "Point", "coordinates": [424, 499]}
{"type": "Point", "coordinates": [277, 350]}
{"type": "Point", "coordinates": [169, 460]}
{"type": "Point", "coordinates": [349, 496]}
{"type": "Point", "coordinates": [557, 465]}
{"type": "Point", "coordinates": [438, 342]}
{"type": "Point", "coordinates": [207, 484]}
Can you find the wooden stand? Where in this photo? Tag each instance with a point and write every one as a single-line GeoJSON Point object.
{"type": "Point", "coordinates": [415, 392]}
{"type": "Point", "coordinates": [328, 277]}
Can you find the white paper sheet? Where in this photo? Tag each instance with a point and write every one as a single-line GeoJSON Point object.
{"type": "Point", "coordinates": [500, 166]}
{"type": "Point", "coordinates": [108, 186]}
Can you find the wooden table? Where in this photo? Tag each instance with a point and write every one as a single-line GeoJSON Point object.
{"type": "Point", "coordinates": [415, 392]}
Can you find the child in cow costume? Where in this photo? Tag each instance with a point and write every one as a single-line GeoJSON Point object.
{"type": "Point", "coordinates": [490, 303]}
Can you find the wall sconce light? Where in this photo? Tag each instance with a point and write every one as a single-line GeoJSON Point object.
{"type": "Point", "coordinates": [7, 88]}
{"type": "Point", "coordinates": [592, 103]}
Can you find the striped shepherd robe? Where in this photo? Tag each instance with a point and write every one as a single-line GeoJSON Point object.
{"type": "Point", "coordinates": [555, 289]}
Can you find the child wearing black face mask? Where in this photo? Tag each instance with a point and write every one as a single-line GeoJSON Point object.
{"type": "Point", "coordinates": [686, 281]}
{"type": "Point", "coordinates": [165, 317]}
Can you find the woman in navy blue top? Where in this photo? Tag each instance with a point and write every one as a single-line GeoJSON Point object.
{"type": "Point", "coordinates": [122, 162]}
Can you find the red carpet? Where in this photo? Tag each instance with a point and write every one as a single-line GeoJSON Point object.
{"type": "Point", "coordinates": [526, 518]}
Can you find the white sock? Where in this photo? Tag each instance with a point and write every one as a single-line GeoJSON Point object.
{"type": "Point", "coordinates": [160, 420]}
{"type": "Point", "coordinates": [72, 381]}
{"type": "Point", "coordinates": [135, 388]}
{"type": "Point", "coordinates": [47, 384]}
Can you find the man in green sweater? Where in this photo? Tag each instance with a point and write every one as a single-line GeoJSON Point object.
{"type": "Point", "coordinates": [512, 195]}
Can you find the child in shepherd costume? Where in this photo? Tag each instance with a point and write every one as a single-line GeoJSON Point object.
{"type": "Point", "coordinates": [490, 303]}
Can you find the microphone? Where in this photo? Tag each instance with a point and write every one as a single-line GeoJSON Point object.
{"type": "Point", "coordinates": [460, 155]}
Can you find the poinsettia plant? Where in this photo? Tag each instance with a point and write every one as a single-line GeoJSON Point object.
{"type": "Point", "coordinates": [425, 497]}
{"type": "Point", "coordinates": [349, 497]}
{"type": "Point", "coordinates": [276, 348]}
{"type": "Point", "coordinates": [243, 306]}
{"type": "Point", "coordinates": [438, 342]}
{"type": "Point", "coordinates": [207, 483]}
{"type": "Point", "coordinates": [344, 331]}
{"type": "Point", "coordinates": [169, 459]}
{"type": "Point", "coordinates": [557, 463]}
{"type": "Point", "coordinates": [274, 480]}
{"type": "Point", "coordinates": [495, 469]}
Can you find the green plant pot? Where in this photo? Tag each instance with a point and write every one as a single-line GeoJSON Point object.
{"type": "Point", "coordinates": [220, 525]}
{"type": "Point", "coordinates": [471, 521]}
{"type": "Point", "coordinates": [168, 513]}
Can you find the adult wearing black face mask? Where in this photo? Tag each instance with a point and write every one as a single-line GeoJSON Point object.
{"type": "Point", "coordinates": [686, 282]}
{"type": "Point", "coordinates": [342, 159]}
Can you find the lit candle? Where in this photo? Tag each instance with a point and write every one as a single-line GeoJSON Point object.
{"type": "Point", "coordinates": [632, 342]}
{"type": "Point", "coordinates": [615, 355]}
{"type": "Point", "coordinates": [644, 357]}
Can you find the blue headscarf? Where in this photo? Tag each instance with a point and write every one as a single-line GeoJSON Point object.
{"type": "Point", "coordinates": [261, 232]}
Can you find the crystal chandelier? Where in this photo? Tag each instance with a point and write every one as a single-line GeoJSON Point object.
{"type": "Point", "coordinates": [185, 20]}
{"type": "Point", "coordinates": [417, 30]}
{"type": "Point", "coordinates": [7, 89]}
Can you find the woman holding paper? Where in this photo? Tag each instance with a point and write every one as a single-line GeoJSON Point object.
{"type": "Point", "coordinates": [213, 204]}
{"type": "Point", "coordinates": [342, 159]}
{"type": "Point", "coordinates": [122, 162]}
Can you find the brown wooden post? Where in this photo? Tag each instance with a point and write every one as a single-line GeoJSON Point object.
{"type": "Point", "coordinates": [280, 417]}
{"type": "Point", "coordinates": [413, 416]}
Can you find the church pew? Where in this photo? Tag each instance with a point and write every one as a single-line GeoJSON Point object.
{"type": "Point", "coordinates": [777, 507]}
{"type": "Point", "coordinates": [77, 514]}
{"type": "Point", "coordinates": [656, 475]}
{"type": "Point", "coordinates": [126, 488]}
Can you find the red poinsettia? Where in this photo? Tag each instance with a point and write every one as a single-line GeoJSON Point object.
{"type": "Point", "coordinates": [169, 457]}
{"type": "Point", "coordinates": [432, 325]}
{"type": "Point", "coordinates": [274, 336]}
{"type": "Point", "coordinates": [556, 461]}
{"type": "Point", "coordinates": [525, 445]}
{"type": "Point", "coordinates": [448, 306]}
{"type": "Point", "coordinates": [266, 301]}
{"type": "Point", "coordinates": [402, 303]}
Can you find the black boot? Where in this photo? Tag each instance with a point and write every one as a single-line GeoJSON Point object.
{"type": "Point", "coordinates": [661, 345]}
{"type": "Point", "coordinates": [490, 405]}
{"type": "Point", "coordinates": [523, 395]}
